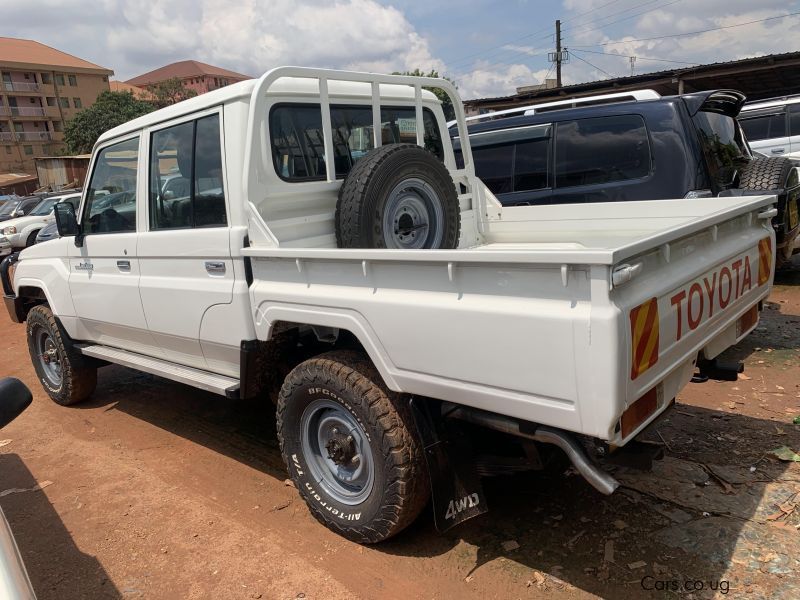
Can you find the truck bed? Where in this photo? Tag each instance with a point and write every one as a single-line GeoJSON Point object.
{"type": "Point", "coordinates": [530, 324]}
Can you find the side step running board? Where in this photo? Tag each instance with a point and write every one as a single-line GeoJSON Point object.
{"type": "Point", "coordinates": [211, 382]}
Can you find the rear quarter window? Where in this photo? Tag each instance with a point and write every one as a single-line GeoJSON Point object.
{"type": "Point", "coordinates": [601, 150]}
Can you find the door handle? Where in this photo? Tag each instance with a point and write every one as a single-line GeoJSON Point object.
{"type": "Point", "coordinates": [124, 265]}
{"type": "Point", "coordinates": [778, 150]}
{"type": "Point", "coordinates": [215, 267]}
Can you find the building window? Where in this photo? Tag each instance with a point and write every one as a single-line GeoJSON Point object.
{"type": "Point", "coordinates": [76, 102]}
{"type": "Point", "coordinates": [27, 75]}
{"type": "Point", "coordinates": [58, 126]}
{"type": "Point", "coordinates": [59, 79]}
{"type": "Point", "coordinates": [33, 100]}
{"type": "Point", "coordinates": [46, 79]}
{"type": "Point", "coordinates": [28, 150]}
{"type": "Point", "coordinates": [51, 101]}
{"type": "Point", "coordinates": [8, 149]}
{"type": "Point", "coordinates": [64, 102]}
{"type": "Point", "coordinates": [73, 80]}
{"type": "Point", "coordinates": [105, 78]}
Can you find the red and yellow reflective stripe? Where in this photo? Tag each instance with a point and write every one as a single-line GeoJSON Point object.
{"type": "Point", "coordinates": [644, 337]}
{"type": "Point", "coordinates": [764, 260]}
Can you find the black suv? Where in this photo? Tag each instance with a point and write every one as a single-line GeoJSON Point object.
{"type": "Point", "coordinates": [670, 147]}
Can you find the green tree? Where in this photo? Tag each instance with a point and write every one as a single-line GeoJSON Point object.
{"type": "Point", "coordinates": [169, 92]}
{"type": "Point", "coordinates": [447, 105]}
{"type": "Point", "coordinates": [109, 110]}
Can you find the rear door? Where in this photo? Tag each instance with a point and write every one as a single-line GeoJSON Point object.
{"type": "Point", "coordinates": [185, 245]}
{"type": "Point", "coordinates": [794, 130]}
{"type": "Point", "coordinates": [766, 130]}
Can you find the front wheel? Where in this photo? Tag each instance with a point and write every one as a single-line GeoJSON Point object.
{"type": "Point", "coordinates": [350, 447]}
{"type": "Point", "coordinates": [60, 368]}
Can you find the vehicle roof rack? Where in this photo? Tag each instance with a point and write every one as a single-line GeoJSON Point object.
{"type": "Point", "coordinates": [775, 99]}
{"type": "Point", "coordinates": [632, 96]}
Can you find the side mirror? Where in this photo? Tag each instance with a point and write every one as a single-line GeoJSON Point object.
{"type": "Point", "coordinates": [168, 195]}
{"type": "Point", "coordinates": [15, 397]}
{"type": "Point", "coordinates": [66, 221]}
{"type": "Point", "coordinates": [19, 213]}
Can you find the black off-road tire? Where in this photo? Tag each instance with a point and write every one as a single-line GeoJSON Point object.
{"type": "Point", "coordinates": [365, 191]}
{"type": "Point", "coordinates": [401, 488]}
{"type": "Point", "coordinates": [78, 378]}
{"type": "Point", "coordinates": [769, 173]}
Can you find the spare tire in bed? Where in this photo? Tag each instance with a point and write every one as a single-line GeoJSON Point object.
{"type": "Point", "coordinates": [398, 196]}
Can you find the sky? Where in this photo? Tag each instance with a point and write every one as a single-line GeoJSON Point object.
{"type": "Point", "coordinates": [489, 48]}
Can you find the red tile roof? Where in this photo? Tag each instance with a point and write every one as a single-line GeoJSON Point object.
{"type": "Point", "coordinates": [183, 70]}
{"type": "Point", "coordinates": [29, 53]}
{"type": "Point", "coordinates": [121, 86]}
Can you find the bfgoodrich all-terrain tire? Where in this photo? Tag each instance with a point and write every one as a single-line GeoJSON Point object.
{"type": "Point", "coordinates": [398, 196]}
{"type": "Point", "coordinates": [350, 447]}
{"type": "Point", "coordinates": [61, 369]}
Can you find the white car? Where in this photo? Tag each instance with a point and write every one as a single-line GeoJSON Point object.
{"type": "Point", "coordinates": [773, 126]}
{"type": "Point", "coordinates": [21, 232]}
{"type": "Point", "coordinates": [5, 246]}
{"type": "Point", "coordinates": [387, 295]}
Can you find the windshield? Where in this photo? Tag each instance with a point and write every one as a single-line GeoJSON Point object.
{"type": "Point", "coordinates": [723, 145]}
{"type": "Point", "coordinates": [44, 207]}
{"type": "Point", "coordinates": [9, 207]}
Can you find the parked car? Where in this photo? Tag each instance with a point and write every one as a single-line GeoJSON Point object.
{"type": "Point", "coordinates": [627, 147]}
{"type": "Point", "coordinates": [386, 298]}
{"type": "Point", "coordinates": [773, 126]}
{"type": "Point", "coordinates": [50, 231]}
{"type": "Point", "coordinates": [21, 232]}
{"type": "Point", "coordinates": [15, 584]}
{"type": "Point", "coordinates": [18, 207]}
{"type": "Point", "coordinates": [5, 246]}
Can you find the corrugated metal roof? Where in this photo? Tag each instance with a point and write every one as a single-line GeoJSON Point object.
{"type": "Point", "coordinates": [14, 178]}
{"type": "Point", "coordinates": [640, 77]}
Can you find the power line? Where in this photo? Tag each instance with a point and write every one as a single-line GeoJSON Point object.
{"type": "Point", "coordinates": [675, 35]}
{"type": "Point", "coordinates": [628, 17]}
{"type": "Point", "coordinates": [529, 35]}
{"type": "Point", "coordinates": [639, 57]}
{"type": "Point", "coordinates": [594, 66]}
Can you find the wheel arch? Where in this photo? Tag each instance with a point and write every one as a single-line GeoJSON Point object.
{"type": "Point", "coordinates": [33, 292]}
{"type": "Point", "coordinates": [273, 318]}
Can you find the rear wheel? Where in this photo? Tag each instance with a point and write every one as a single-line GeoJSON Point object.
{"type": "Point", "coordinates": [350, 447]}
{"type": "Point", "coordinates": [61, 369]}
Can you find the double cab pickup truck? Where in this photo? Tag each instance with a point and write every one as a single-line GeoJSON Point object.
{"type": "Point", "coordinates": [308, 237]}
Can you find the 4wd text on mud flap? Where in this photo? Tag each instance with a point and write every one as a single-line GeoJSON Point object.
{"type": "Point", "coordinates": [457, 506]}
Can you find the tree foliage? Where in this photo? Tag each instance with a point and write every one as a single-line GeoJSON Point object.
{"type": "Point", "coordinates": [169, 92]}
{"type": "Point", "coordinates": [109, 110]}
{"type": "Point", "coordinates": [447, 105]}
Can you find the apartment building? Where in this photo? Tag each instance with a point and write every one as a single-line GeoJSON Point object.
{"type": "Point", "coordinates": [41, 88]}
{"type": "Point", "coordinates": [194, 75]}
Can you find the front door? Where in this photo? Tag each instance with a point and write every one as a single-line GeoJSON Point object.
{"type": "Point", "coordinates": [186, 266]}
{"type": "Point", "coordinates": [104, 270]}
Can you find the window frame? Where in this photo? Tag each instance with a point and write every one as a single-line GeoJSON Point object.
{"type": "Point", "coordinates": [147, 134]}
{"type": "Point", "coordinates": [93, 167]}
{"type": "Point", "coordinates": [345, 105]}
{"type": "Point", "coordinates": [554, 150]}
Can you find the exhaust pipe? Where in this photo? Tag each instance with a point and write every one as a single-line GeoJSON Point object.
{"type": "Point", "coordinates": [597, 478]}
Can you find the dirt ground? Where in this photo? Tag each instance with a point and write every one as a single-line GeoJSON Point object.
{"type": "Point", "coordinates": [156, 490]}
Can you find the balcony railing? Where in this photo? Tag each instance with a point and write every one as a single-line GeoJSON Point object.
{"type": "Point", "coordinates": [4, 111]}
{"type": "Point", "coordinates": [7, 136]}
{"type": "Point", "coordinates": [34, 136]}
{"type": "Point", "coordinates": [16, 86]}
{"type": "Point", "coordinates": [27, 111]}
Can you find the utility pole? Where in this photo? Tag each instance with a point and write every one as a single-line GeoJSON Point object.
{"type": "Point", "coordinates": [633, 62]}
{"type": "Point", "coordinates": [558, 53]}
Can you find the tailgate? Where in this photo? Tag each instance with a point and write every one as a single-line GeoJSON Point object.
{"type": "Point", "coordinates": [696, 295]}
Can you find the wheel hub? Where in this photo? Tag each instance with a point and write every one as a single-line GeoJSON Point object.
{"type": "Point", "coordinates": [341, 449]}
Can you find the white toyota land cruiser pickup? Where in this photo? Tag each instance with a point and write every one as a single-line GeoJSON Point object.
{"type": "Point", "coordinates": [282, 234]}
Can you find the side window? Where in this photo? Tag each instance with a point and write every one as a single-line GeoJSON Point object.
{"type": "Point", "coordinates": [186, 176]}
{"type": "Point", "coordinates": [493, 165]}
{"type": "Point", "coordinates": [298, 146]}
{"type": "Point", "coordinates": [756, 129]}
{"type": "Point", "coordinates": [530, 165]}
{"type": "Point", "coordinates": [111, 194]}
{"type": "Point", "coordinates": [601, 150]}
{"type": "Point", "coordinates": [794, 119]}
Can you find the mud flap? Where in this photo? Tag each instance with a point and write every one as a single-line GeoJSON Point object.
{"type": "Point", "coordinates": [456, 488]}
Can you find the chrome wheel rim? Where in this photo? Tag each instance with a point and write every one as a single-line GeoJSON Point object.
{"type": "Point", "coordinates": [413, 216]}
{"type": "Point", "coordinates": [337, 451]}
{"type": "Point", "coordinates": [49, 357]}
